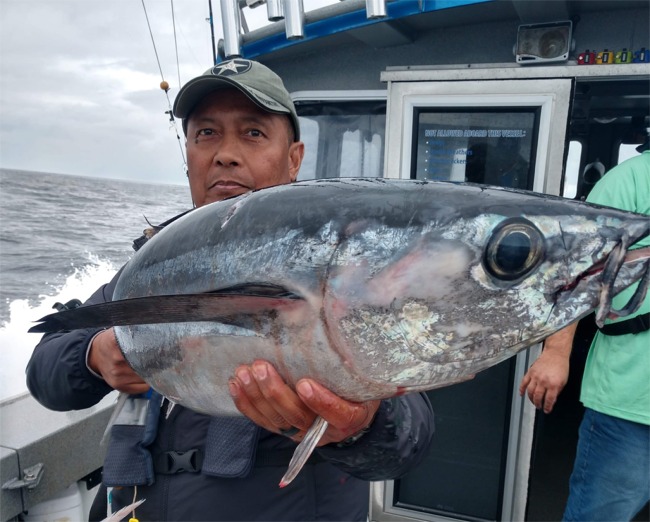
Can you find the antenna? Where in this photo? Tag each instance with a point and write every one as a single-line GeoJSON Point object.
{"type": "Point", "coordinates": [211, 20]}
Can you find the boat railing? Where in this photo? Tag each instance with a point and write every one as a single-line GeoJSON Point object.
{"type": "Point", "coordinates": [43, 452]}
{"type": "Point", "coordinates": [286, 15]}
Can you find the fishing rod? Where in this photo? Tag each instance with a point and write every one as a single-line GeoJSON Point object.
{"type": "Point", "coordinates": [214, 49]}
{"type": "Point", "coordinates": [164, 85]}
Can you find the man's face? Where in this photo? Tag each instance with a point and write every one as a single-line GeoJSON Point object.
{"type": "Point", "coordinates": [234, 147]}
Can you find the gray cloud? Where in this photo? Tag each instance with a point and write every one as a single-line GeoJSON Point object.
{"type": "Point", "coordinates": [79, 85]}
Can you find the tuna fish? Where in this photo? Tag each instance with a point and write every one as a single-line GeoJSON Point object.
{"type": "Point", "coordinates": [372, 287]}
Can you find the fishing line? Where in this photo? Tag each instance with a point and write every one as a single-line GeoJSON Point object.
{"type": "Point", "coordinates": [135, 496]}
{"type": "Point", "coordinates": [152, 40]}
{"type": "Point", "coordinates": [163, 84]}
{"type": "Point", "coordinates": [178, 67]}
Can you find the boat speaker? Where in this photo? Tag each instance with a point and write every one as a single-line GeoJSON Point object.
{"type": "Point", "coordinates": [544, 43]}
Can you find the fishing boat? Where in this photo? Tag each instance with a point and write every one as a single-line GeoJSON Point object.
{"type": "Point", "coordinates": [532, 94]}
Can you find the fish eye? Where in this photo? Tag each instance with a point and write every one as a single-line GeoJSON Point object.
{"type": "Point", "coordinates": [514, 250]}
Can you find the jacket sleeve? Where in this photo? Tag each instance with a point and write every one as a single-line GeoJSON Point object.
{"type": "Point", "coordinates": [397, 441]}
{"type": "Point", "coordinates": [57, 375]}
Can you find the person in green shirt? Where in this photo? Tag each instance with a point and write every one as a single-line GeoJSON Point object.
{"type": "Point", "coordinates": [611, 474]}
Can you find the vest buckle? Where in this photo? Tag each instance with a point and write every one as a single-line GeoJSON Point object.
{"type": "Point", "coordinates": [172, 462]}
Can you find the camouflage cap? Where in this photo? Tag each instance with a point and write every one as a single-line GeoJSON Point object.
{"type": "Point", "coordinates": [259, 83]}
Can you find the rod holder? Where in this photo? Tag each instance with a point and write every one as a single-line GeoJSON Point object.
{"type": "Point", "coordinates": [274, 10]}
{"type": "Point", "coordinates": [375, 9]}
{"type": "Point", "coordinates": [294, 19]}
{"type": "Point", "coordinates": [231, 28]}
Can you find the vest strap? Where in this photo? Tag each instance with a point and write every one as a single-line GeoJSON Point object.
{"type": "Point", "coordinates": [230, 447]}
{"type": "Point", "coordinates": [636, 325]}
{"type": "Point", "coordinates": [128, 460]}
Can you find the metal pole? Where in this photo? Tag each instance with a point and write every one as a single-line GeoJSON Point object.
{"type": "Point", "coordinates": [274, 9]}
{"type": "Point", "coordinates": [214, 49]}
{"type": "Point", "coordinates": [375, 8]}
{"type": "Point", "coordinates": [231, 28]}
{"type": "Point", "coordinates": [294, 17]}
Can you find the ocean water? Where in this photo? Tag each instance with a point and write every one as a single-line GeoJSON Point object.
{"type": "Point", "coordinates": [61, 237]}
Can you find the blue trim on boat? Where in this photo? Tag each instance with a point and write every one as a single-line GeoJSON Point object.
{"type": "Point", "coordinates": [352, 20]}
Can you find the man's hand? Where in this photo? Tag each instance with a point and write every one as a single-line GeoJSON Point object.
{"type": "Point", "coordinates": [262, 395]}
{"type": "Point", "coordinates": [105, 358]}
{"type": "Point", "coordinates": [548, 375]}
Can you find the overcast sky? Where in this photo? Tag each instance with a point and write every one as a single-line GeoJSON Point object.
{"type": "Point", "coordinates": [79, 84]}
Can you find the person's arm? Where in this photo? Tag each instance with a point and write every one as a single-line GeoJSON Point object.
{"type": "Point", "coordinates": [74, 370]}
{"type": "Point", "coordinates": [548, 375]}
{"type": "Point", "coordinates": [57, 375]}
{"type": "Point", "coordinates": [105, 360]}
{"type": "Point", "coordinates": [396, 441]}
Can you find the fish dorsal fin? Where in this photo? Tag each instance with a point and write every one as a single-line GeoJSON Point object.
{"type": "Point", "coordinates": [182, 308]}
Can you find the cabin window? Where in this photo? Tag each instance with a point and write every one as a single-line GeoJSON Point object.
{"type": "Point", "coordinates": [342, 138]}
{"type": "Point", "coordinates": [572, 170]}
{"type": "Point", "coordinates": [479, 145]}
{"type": "Point", "coordinates": [469, 451]}
{"type": "Point", "coordinates": [627, 151]}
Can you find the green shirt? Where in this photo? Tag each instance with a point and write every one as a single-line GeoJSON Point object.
{"type": "Point", "coordinates": [617, 373]}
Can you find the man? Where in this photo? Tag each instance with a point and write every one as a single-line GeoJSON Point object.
{"type": "Point", "coordinates": [242, 134]}
{"type": "Point", "coordinates": [611, 474]}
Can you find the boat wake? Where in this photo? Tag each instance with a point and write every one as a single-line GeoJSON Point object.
{"type": "Point", "coordinates": [16, 344]}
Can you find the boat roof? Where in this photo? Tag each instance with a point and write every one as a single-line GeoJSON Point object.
{"type": "Point", "coordinates": [347, 22]}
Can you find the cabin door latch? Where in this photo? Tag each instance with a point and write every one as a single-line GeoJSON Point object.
{"type": "Point", "coordinates": [31, 478]}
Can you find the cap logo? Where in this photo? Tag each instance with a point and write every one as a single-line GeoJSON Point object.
{"type": "Point", "coordinates": [232, 67]}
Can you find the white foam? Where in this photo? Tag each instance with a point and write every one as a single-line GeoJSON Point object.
{"type": "Point", "coordinates": [16, 345]}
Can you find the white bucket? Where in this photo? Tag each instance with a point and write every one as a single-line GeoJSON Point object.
{"type": "Point", "coordinates": [64, 507]}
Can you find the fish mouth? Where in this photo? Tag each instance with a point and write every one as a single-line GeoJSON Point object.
{"type": "Point", "coordinates": [608, 269]}
{"type": "Point", "coordinates": [616, 259]}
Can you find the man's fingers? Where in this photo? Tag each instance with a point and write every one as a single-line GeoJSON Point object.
{"type": "Point", "coordinates": [262, 395]}
{"type": "Point", "coordinates": [550, 399]}
{"type": "Point", "coordinates": [537, 396]}
{"type": "Point", "coordinates": [245, 405]}
{"type": "Point", "coordinates": [279, 400]}
{"type": "Point", "coordinates": [106, 359]}
{"type": "Point", "coordinates": [542, 396]}
{"type": "Point", "coordinates": [345, 417]}
{"type": "Point", "coordinates": [134, 389]}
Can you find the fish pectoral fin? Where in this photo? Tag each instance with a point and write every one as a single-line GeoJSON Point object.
{"type": "Point", "coordinates": [257, 289]}
{"type": "Point", "coordinates": [304, 450]}
{"type": "Point", "coordinates": [182, 308]}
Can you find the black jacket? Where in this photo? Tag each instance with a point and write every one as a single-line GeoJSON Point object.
{"type": "Point", "coordinates": [333, 486]}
